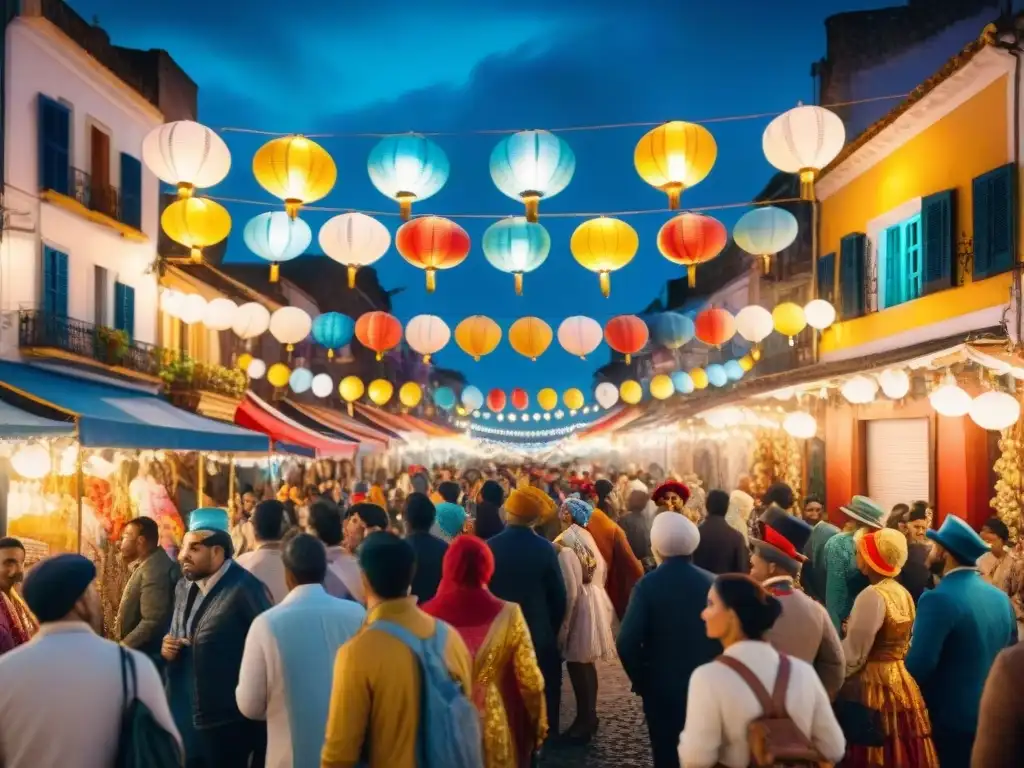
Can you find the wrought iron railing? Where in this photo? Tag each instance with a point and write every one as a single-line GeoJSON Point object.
{"type": "Point", "coordinates": [95, 195]}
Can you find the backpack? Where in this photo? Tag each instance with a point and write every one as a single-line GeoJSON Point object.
{"type": "Point", "coordinates": [449, 732]}
{"type": "Point", "coordinates": [774, 739]}
{"type": "Point", "coordinates": [143, 742]}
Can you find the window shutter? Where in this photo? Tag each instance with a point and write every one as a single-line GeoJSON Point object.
{"type": "Point", "coordinates": [124, 308]}
{"type": "Point", "coordinates": [995, 221]}
{"type": "Point", "coordinates": [131, 191]}
{"type": "Point", "coordinates": [62, 284]}
{"type": "Point", "coordinates": [55, 282]}
{"type": "Point", "coordinates": [851, 275]}
{"type": "Point", "coordinates": [118, 305]}
{"type": "Point", "coordinates": [827, 277]}
{"type": "Point", "coordinates": [938, 239]}
{"type": "Point", "coordinates": [54, 145]}
{"type": "Point", "coordinates": [893, 263]}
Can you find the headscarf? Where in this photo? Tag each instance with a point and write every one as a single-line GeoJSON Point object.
{"type": "Point", "coordinates": [579, 510]}
{"type": "Point", "coordinates": [674, 535]}
{"type": "Point", "coordinates": [741, 505]}
{"type": "Point", "coordinates": [463, 599]}
{"type": "Point", "coordinates": [450, 519]}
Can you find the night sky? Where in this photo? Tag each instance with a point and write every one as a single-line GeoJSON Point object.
{"type": "Point", "coordinates": [459, 66]}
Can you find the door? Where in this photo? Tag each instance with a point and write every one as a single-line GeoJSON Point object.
{"type": "Point", "coordinates": [101, 197]}
{"type": "Point", "coordinates": [898, 461]}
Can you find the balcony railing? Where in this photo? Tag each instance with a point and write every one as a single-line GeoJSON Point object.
{"type": "Point", "coordinates": [95, 195]}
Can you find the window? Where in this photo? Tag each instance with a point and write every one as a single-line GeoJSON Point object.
{"type": "Point", "coordinates": [54, 145]}
{"type": "Point", "coordinates": [995, 221]}
{"type": "Point", "coordinates": [124, 308]}
{"type": "Point", "coordinates": [55, 282]}
{"type": "Point", "coordinates": [901, 262]}
{"type": "Point", "coordinates": [131, 191]}
{"type": "Point", "coordinates": [99, 286]}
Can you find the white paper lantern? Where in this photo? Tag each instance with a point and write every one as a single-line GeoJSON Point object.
{"type": "Point", "coordinates": [949, 399]}
{"type": "Point", "coordinates": [257, 369]}
{"type": "Point", "coordinates": [804, 140]}
{"type": "Point", "coordinates": [290, 325]}
{"type": "Point", "coordinates": [355, 240]}
{"type": "Point", "coordinates": [754, 323]}
{"type": "Point", "coordinates": [819, 314]}
{"type": "Point", "coordinates": [800, 425]}
{"type": "Point", "coordinates": [322, 385]}
{"type": "Point", "coordinates": [170, 302]}
{"type": "Point", "coordinates": [186, 154]}
{"type": "Point", "coordinates": [251, 320]}
{"type": "Point", "coordinates": [427, 335]}
{"type": "Point", "coordinates": [721, 418]}
{"type": "Point", "coordinates": [995, 410]}
{"type": "Point", "coordinates": [580, 335]}
{"type": "Point", "coordinates": [301, 380]}
{"type": "Point", "coordinates": [606, 394]}
{"type": "Point", "coordinates": [32, 461]}
{"type": "Point", "coordinates": [192, 309]}
{"type": "Point", "coordinates": [219, 314]}
{"type": "Point", "coordinates": [895, 383]}
{"type": "Point", "coordinates": [859, 390]}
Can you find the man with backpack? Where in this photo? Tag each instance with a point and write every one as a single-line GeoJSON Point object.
{"type": "Point", "coordinates": [402, 686]}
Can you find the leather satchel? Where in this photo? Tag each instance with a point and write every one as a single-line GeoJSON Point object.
{"type": "Point", "coordinates": [775, 740]}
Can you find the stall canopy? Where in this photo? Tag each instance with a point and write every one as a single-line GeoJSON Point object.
{"type": "Point", "coordinates": [337, 423]}
{"type": "Point", "coordinates": [403, 423]}
{"type": "Point", "coordinates": [255, 413]}
{"type": "Point", "coordinates": [16, 424]}
{"type": "Point", "coordinates": [109, 416]}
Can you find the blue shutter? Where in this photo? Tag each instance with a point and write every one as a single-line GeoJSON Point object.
{"type": "Point", "coordinates": [55, 282]}
{"type": "Point", "coordinates": [131, 191]}
{"type": "Point", "coordinates": [851, 275]}
{"type": "Point", "coordinates": [827, 277]}
{"type": "Point", "coordinates": [118, 305]}
{"type": "Point", "coordinates": [995, 221]}
{"type": "Point", "coordinates": [54, 145]}
{"type": "Point", "coordinates": [893, 264]}
{"type": "Point", "coordinates": [938, 239]}
{"type": "Point", "coordinates": [124, 308]}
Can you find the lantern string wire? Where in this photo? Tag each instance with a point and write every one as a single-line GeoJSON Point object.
{"type": "Point", "coordinates": [563, 129]}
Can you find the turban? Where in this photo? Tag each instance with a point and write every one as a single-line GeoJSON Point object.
{"type": "Point", "coordinates": [673, 486]}
{"type": "Point", "coordinates": [54, 586]}
{"type": "Point", "coordinates": [529, 504]}
{"type": "Point", "coordinates": [208, 519]}
{"type": "Point", "coordinates": [450, 518]}
{"type": "Point", "coordinates": [673, 535]}
{"type": "Point", "coordinates": [579, 510]}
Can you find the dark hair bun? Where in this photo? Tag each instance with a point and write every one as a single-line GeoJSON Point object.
{"type": "Point", "coordinates": [757, 609]}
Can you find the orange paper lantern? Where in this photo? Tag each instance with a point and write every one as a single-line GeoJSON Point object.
{"type": "Point", "coordinates": [432, 243]}
{"type": "Point", "coordinates": [378, 331]}
{"type": "Point", "coordinates": [626, 334]}
{"type": "Point", "coordinates": [496, 400]}
{"type": "Point", "coordinates": [690, 239]}
{"type": "Point", "coordinates": [715, 326]}
{"type": "Point", "coordinates": [519, 399]}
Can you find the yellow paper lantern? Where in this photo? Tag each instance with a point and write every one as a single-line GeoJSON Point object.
{"type": "Point", "coordinates": [603, 245]}
{"type": "Point", "coordinates": [662, 387]}
{"type": "Point", "coordinates": [243, 361]}
{"type": "Point", "coordinates": [295, 169]}
{"type": "Point", "coordinates": [410, 394]}
{"type": "Point", "coordinates": [530, 337]}
{"type": "Point", "coordinates": [700, 378]}
{"type": "Point", "coordinates": [573, 399]}
{"type": "Point", "coordinates": [196, 223]}
{"type": "Point", "coordinates": [278, 375]}
{"type": "Point", "coordinates": [746, 363]}
{"type": "Point", "coordinates": [789, 319]}
{"type": "Point", "coordinates": [477, 336]}
{"type": "Point", "coordinates": [351, 388]}
{"type": "Point", "coordinates": [380, 391]}
{"type": "Point", "coordinates": [675, 156]}
{"type": "Point", "coordinates": [547, 399]}
{"type": "Point", "coordinates": [631, 392]}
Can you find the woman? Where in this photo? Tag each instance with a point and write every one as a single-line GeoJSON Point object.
{"type": "Point", "coordinates": [741, 505]}
{"type": "Point", "coordinates": [586, 634]}
{"type": "Point", "coordinates": [1002, 567]}
{"type": "Point", "coordinates": [721, 705]}
{"type": "Point", "coordinates": [880, 695]}
{"type": "Point", "coordinates": [508, 689]}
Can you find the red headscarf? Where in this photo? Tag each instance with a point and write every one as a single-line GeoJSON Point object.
{"type": "Point", "coordinates": [463, 599]}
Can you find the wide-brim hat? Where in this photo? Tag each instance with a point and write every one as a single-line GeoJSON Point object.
{"type": "Point", "coordinates": [864, 510]}
{"type": "Point", "coordinates": [884, 550]}
{"type": "Point", "coordinates": [783, 538]}
{"type": "Point", "coordinates": [959, 538]}
{"type": "Point", "coordinates": [671, 486]}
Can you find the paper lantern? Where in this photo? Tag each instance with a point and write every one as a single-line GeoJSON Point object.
{"type": "Point", "coordinates": [631, 392]}
{"type": "Point", "coordinates": [606, 394]}
{"type": "Point", "coordinates": [949, 399]}
{"type": "Point", "coordinates": [294, 169]}
{"type": "Point", "coordinates": [860, 390]}
{"type": "Point", "coordinates": [547, 399]}
{"type": "Point", "coordinates": [444, 398]}
{"type": "Point", "coordinates": [692, 239]}
{"type": "Point", "coordinates": [717, 376]}
{"type": "Point", "coordinates": [251, 320]}
{"type": "Point", "coordinates": [170, 301]}
{"type": "Point", "coordinates": [715, 326]}
{"type": "Point", "coordinates": [192, 309]}
{"type": "Point", "coordinates": [699, 377]}
{"type": "Point", "coordinates": [351, 389]}
{"type": "Point", "coordinates": [580, 335]}
{"type": "Point", "coordinates": [333, 330]}
{"type": "Point", "coordinates": [995, 411]}
{"type": "Point", "coordinates": [242, 363]}
{"type": "Point", "coordinates": [301, 380]}
{"type": "Point", "coordinates": [519, 399]}
{"type": "Point", "coordinates": [764, 232]}
{"type": "Point", "coordinates": [477, 336]}
{"type": "Point", "coordinates": [410, 394]}
{"type": "Point", "coordinates": [32, 461]}
{"type": "Point", "coordinates": [682, 381]}
{"type": "Point", "coordinates": [819, 314]}
{"type": "Point", "coordinates": [196, 223]}
{"type": "Point", "coordinates": [662, 387]}
{"type": "Point", "coordinates": [803, 141]}
{"type": "Point", "coordinates": [355, 240]}
{"type": "Point", "coordinates": [800, 425]}
{"type": "Point", "coordinates": [733, 370]}
{"type": "Point", "coordinates": [517, 246]}
{"type": "Point", "coordinates": [626, 334]}
{"type": "Point", "coordinates": [670, 329]}
{"type": "Point", "coordinates": [472, 398]}
{"type": "Point", "coordinates": [496, 400]}
{"type": "Point", "coordinates": [322, 385]}
{"type": "Point", "coordinates": [275, 237]}
{"type": "Point", "coordinates": [256, 369]}
{"type": "Point", "coordinates": [278, 375]}
{"type": "Point", "coordinates": [219, 314]}
{"type": "Point", "coordinates": [746, 363]}
{"type": "Point", "coordinates": [407, 167]}
{"type": "Point", "coordinates": [290, 325]}
{"type": "Point", "coordinates": [895, 383]}
{"type": "Point", "coordinates": [427, 335]}
{"type": "Point", "coordinates": [432, 243]}
{"type": "Point", "coordinates": [531, 165]}
{"type": "Point", "coordinates": [789, 319]}
{"type": "Point", "coordinates": [675, 156]}
{"type": "Point", "coordinates": [604, 245]}
{"type": "Point", "coordinates": [380, 391]}
{"type": "Point", "coordinates": [573, 399]}
{"type": "Point", "coordinates": [530, 337]}
{"type": "Point", "coordinates": [754, 323]}
{"type": "Point", "coordinates": [379, 331]}
{"type": "Point", "coordinates": [186, 154]}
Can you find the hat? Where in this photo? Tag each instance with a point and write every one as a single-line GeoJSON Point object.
{"type": "Point", "coordinates": [673, 535]}
{"type": "Point", "coordinates": [884, 550]}
{"type": "Point", "coordinates": [864, 510]}
{"type": "Point", "coordinates": [450, 518]}
{"type": "Point", "coordinates": [54, 585]}
{"type": "Point", "coordinates": [529, 504]}
{"type": "Point", "coordinates": [208, 519]}
{"type": "Point", "coordinates": [673, 486]}
{"type": "Point", "coordinates": [579, 510]}
{"type": "Point", "coordinates": [638, 485]}
{"type": "Point", "coordinates": [783, 538]}
{"type": "Point", "coordinates": [959, 538]}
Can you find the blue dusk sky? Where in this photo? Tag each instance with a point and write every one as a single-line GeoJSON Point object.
{"type": "Point", "coordinates": [459, 66]}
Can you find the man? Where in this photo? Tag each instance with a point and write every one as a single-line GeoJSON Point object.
{"type": "Point", "coordinates": [429, 549]}
{"type": "Point", "coordinates": [288, 649]}
{"type": "Point", "coordinates": [342, 579]}
{"type": "Point", "coordinates": [663, 638]}
{"type": "Point", "coordinates": [671, 496]}
{"type": "Point", "coordinates": [722, 548]}
{"type": "Point", "coordinates": [242, 537]}
{"type": "Point", "coordinates": [624, 569]}
{"type": "Point", "coordinates": [449, 491]}
{"type": "Point", "coordinates": [814, 511]}
{"type": "Point", "coordinates": [961, 627]}
{"type": "Point", "coordinates": [804, 630]}
{"type": "Point", "coordinates": [843, 579]}
{"type": "Point", "coordinates": [526, 571]}
{"type": "Point", "coordinates": [61, 701]}
{"type": "Point", "coordinates": [916, 576]}
{"type": "Point", "coordinates": [214, 606]}
{"type": "Point", "coordinates": [144, 614]}
{"type": "Point", "coordinates": [489, 520]}
{"type": "Point", "coordinates": [265, 561]}
{"type": "Point", "coordinates": [638, 531]}
{"type": "Point", "coordinates": [779, 494]}
{"type": "Point", "coordinates": [360, 490]}
{"type": "Point", "coordinates": [363, 519]}
{"type": "Point", "coordinates": [374, 713]}
{"type": "Point", "coordinates": [916, 522]}
{"type": "Point", "coordinates": [17, 625]}
{"type": "Point", "coordinates": [1000, 739]}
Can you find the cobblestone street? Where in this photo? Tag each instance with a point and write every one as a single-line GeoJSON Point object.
{"type": "Point", "coordinates": [621, 741]}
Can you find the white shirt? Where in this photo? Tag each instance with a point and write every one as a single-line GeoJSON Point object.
{"type": "Point", "coordinates": [267, 565]}
{"type": "Point", "coordinates": [61, 701]}
{"type": "Point", "coordinates": [346, 567]}
{"type": "Point", "coordinates": [205, 585]}
{"type": "Point", "coordinates": [720, 706]}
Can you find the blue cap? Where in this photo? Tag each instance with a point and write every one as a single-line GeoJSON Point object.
{"type": "Point", "coordinates": [959, 538]}
{"type": "Point", "coordinates": [209, 519]}
{"type": "Point", "coordinates": [450, 518]}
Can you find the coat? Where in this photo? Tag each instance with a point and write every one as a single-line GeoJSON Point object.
{"type": "Point", "coordinates": [638, 534]}
{"type": "Point", "coordinates": [813, 574]}
{"type": "Point", "coordinates": [961, 627]}
{"type": "Point", "coordinates": [722, 548]}
{"type": "Point", "coordinates": [147, 603]}
{"type": "Point", "coordinates": [624, 570]}
{"type": "Point", "coordinates": [429, 555]}
{"type": "Point", "coordinates": [916, 576]}
{"type": "Point", "coordinates": [1000, 739]}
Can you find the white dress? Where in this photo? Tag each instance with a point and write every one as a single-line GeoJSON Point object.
{"type": "Point", "coordinates": [586, 635]}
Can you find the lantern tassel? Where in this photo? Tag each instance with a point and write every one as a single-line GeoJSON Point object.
{"type": "Point", "coordinates": [674, 192]}
{"type": "Point", "coordinates": [807, 184]}
{"type": "Point", "coordinates": [405, 206]}
{"type": "Point", "coordinates": [380, 355]}
{"type": "Point", "coordinates": [197, 255]}
{"type": "Point", "coordinates": [275, 272]}
{"type": "Point", "coordinates": [691, 276]}
{"type": "Point", "coordinates": [629, 358]}
{"type": "Point", "coordinates": [766, 263]}
{"type": "Point", "coordinates": [519, 283]}
{"type": "Point", "coordinates": [426, 358]}
{"type": "Point", "coordinates": [351, 410]}
{"type": "Point", "coordinates": [756, 353]}
{"type": "Point", "coordinates": [532, 201]}
{"type": "Point", "coordinates": [185, 190]}
{"type": "Point", "coordinates": [291, 207]}
{"type": "Point", "coordinates": [606, 284]}
{"type": "Point", "coordinates": [431, 280]}
{"type": "Point", "coordinates": [330, 354]}
{"type": "Point", "coordinates": [352, 275]}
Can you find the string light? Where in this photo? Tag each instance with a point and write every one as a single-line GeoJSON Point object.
{"type": "Point", "coordinates": [568, 429]}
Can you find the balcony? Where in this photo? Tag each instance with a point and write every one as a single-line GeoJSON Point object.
{"type": "Point", "coordinates": [98, 201]}
{"type": "Point", "coordinates": [94, 195]}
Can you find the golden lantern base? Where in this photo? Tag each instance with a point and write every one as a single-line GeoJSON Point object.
{"type": "Point", "coordinates": [431, 280]}
{"type": "Point", "coordinates": [807, 176]}
{"type": "Point", "coordinates": [275, 272]}
{"type": "Point", "coordinates": [351, 410]}
{"type": "Point", "coordinates": [674, 192]}
{"type": "Point", "coordinates": [196, 255]}
{"type": "Point", "coordinates": [532, 201]}
{"type": "Point", "coordinates": [606, 283]}
{"type": "Point", "coordinates": [519, 283]}
{"type": "Point", "coordinates": [629, 359]}
{"type": "Point", "coordinates": [405, 205]}
{"type": "Point", "coordinates": [691, 276]}
{"type": "Point", "coordinates": [755, 353]}
{"type": "Point", "coordinates": [380, 355]}
{"type": "Point", "coordinates": [291, 207]}
{"type": "Point", "coordinates": [352, 269]}
{"type": "Point", "coordinates": [185, 190]}
{"type": "Point", "coordinates": [766, 263]}
{"type": "Point", "coordinates": [426, 358]}
{"type": "Point", "coordinates": [330, 354]}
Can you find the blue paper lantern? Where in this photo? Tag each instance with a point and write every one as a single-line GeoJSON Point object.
{"type": "Point", "coordinates": [275, 237]}
{"type": "Point", "coordinates": [472, 398]}
{"type": "Point", "coordinates": [733, 370]}
{"type": "Point", "coordinates": [670, 329]}
{"type": "Point", "coordinates": [682, 382]}
{"type": "Point", "coordinates": [407, 168]}
{"type": "Point", "coordinates": [531, 165]}
{"type": "Point", "coordinates": [301, 380]}
{"type": "Point", "coordinates": [764, 231]}
{"type": "Point", "coordinates": [716, 375]}
{"type": "Point", "coordinates": [444, 398]}
{"type": "Point", "coordinates": [333, 330]}
{"type": "Point", "coordinates": [517, 246]}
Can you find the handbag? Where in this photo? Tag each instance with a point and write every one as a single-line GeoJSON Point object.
{"type": "Point", "coordinates": [143, 742]}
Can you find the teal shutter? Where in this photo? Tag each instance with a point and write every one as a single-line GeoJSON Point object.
{"type": "Point", "coordinates": [851, 275]}
{"type": "Point", "coordinates": [938, 240]}
{"type": "Point", "coordinates": [827, 277]}
{"type": "Point", "coordinates": [54, 145]}
{"type": "Point", "coordinates": [124, 308]}
{"type": "Point", "coordinates": [995, 221]}
{"type": "Point", "coordinates": [131, 191]}
{"type": "Point", "coordinates": [55, 282]}
{"type": "Point", "coordinates": [893, 263]}
{"type": "Point", "coordinates": [118, 305]}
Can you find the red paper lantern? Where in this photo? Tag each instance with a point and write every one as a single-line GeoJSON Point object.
{"type": "Point", "coordinates": [432, 243]}
{"type": "Point", "coordinates": [626, 334]}
{"type": "Point", "coordinates": [378, 331]}
{"type": "Point", "coordinates": [690, 239]}
{"type": "Point", "coordinates": [715, 326]}
{"type": "Point", "coordinates": [496, 400]}
{"type": "Point", "coordinates": [520, 400]}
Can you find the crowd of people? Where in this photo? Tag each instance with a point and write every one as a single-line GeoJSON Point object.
{"type": "Point", "coordinates": [426, 620]}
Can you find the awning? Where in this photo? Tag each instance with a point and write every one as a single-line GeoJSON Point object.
{"type": "Point", "coordinates": [403, 423]}
{"type": "Point", "coordinates": [338, 423]}
{"type": "Point", "coordinates": [109, 416]}
{"type": "Point", "coordinates": [255, 413]}
{"type": "Point", "coordinates": [16, 424]}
